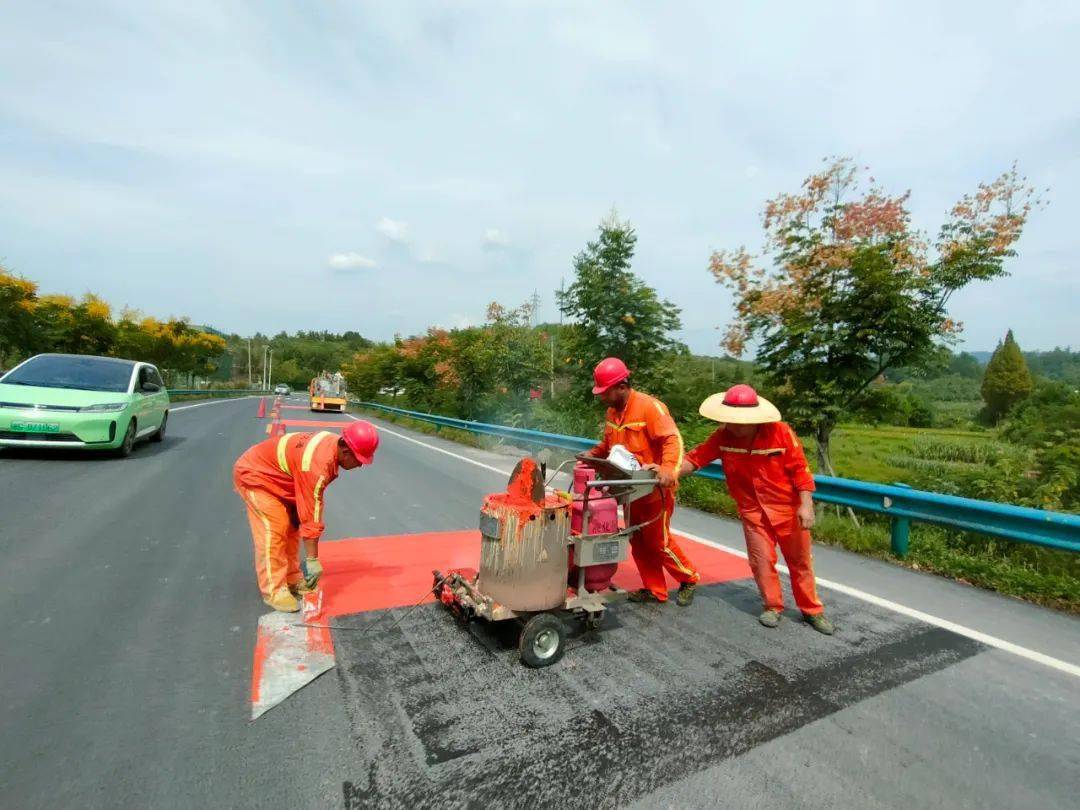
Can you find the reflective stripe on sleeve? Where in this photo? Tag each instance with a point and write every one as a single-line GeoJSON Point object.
{"type": "Point", "coordinates": [318, 497]}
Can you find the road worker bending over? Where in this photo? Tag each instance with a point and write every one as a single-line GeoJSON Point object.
{"type": "Point", "coordinates": [283, 481]}
{"type": "Point", "coordinates": [643, 426]}
{"type": "Point", "coordinates": [769, 479]}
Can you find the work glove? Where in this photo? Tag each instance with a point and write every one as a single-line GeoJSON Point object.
{"type": "Point", "coordinates": [312, 571]}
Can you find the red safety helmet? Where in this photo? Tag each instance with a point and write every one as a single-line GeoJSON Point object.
{"type": "Point", "coordinates": [608, 372]}
{"type": "Point", "coordinates": [362, 438]}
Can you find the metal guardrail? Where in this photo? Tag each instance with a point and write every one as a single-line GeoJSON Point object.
{"type": "Point", "coordinates": [899, 502]}
{"type": "Point", "coordinates": [215, 392]}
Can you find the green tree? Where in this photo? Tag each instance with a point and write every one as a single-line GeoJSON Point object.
{"type": "Point", "coordinates": [373, 371]}
{"type": "Point", "coordinates": [18, 298]}
{"type": "Point", "coordinates": [64, 325]}
{"type": "Point", "coordinates": [1007, 380]}
{"type": "Point", "coordinates": [614, 312]}
{"type": "Point", "coordinates": [966, 365]}
{"type": "Point", "coordinates": [850, 291]}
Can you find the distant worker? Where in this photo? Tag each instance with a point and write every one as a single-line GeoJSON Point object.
{"type": "Point", "coordinates": [643, 425]}
{"type": "Point", "coordinates": [283, 481]}
{"type": "Point", "coordinates": [771, 483]}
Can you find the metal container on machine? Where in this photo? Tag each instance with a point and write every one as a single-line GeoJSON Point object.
{"type": "Point", "coordinates": [524, 553]}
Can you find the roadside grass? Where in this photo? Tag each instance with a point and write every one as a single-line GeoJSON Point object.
{"type": "Point", "coordinates": [459, 436]}
{"type": "Point", "coordinates": [1044, 576]}
{"type": "Point", "coordinates": [1041, 575]}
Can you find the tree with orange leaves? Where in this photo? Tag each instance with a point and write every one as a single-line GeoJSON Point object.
{"type": "Point", "coordinates": [851, 289]}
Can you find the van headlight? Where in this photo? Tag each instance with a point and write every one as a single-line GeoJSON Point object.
{"type": "Point", "coordinates": [104, 407]}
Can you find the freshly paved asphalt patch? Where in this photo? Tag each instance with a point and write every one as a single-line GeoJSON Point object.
{"type": "Point", "coordinates": [441, 714]}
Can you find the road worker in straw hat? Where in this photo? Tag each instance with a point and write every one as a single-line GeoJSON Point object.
{"type": "Point", "coordinates": [771, 483]}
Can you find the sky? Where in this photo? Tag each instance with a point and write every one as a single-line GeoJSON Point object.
{"type": "Point", "coordinates": [384, 167]}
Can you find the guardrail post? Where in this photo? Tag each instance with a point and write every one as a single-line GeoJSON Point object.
{"type": "Point", "coordinates": [900, 531]}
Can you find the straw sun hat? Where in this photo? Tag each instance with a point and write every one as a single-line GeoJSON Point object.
{"type": "Point", "coordinates": [739, 405]}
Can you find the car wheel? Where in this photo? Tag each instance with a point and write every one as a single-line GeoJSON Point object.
{"type": "Point", "coordinates": [159, 434]}
{"type": "Point", "coordinates": [124, 450]}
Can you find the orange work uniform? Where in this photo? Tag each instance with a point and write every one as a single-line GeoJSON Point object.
{"type": "Point", "coordinates": [646, 429]}
{"type": "Point", "coordinates": [765, 475]}
{"type": "Point", "coordinates": [282, 481]}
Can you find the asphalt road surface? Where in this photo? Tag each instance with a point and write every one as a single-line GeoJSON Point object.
{"type": "Point", "coordinates": [131, 612]}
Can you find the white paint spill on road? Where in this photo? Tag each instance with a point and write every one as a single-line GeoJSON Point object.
{"type": "Point", "coordinates": [288, 656]}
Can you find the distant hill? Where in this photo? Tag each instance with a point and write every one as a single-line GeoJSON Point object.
{"type": "Point", "coordinates": [982, 357]}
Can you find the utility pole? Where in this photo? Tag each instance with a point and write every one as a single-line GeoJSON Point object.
{"type": "Point", "coordinates": [249, 362]}
{"type": "Point", "coordinates": [270, 370]}
{"type": "Point", "coordinates": [263, 385]}
{"type": "Point", "coordinates": [558, 301]}
{"type": "Point", "coordinates": [552, 341]}
{"type": "Point", "coordinates": [535, 306]}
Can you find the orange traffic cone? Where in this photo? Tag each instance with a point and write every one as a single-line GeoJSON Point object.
{"type": "Point", "coordinates": [262, 409]}
{"type": "Point", "coordinates": [279, 429]}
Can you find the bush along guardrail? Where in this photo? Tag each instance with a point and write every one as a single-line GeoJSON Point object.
{"type": "Point", "coordinates": [902, 504]}
{"type": "Point", "coordinates": [215, 392]}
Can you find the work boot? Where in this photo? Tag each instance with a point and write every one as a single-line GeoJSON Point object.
{"type": "Point", "coordinates": [298, 589]}
{"type": "Point", "coordinates": [770, 618]}
{"type": "Point", "coordinates": [820, 623]}
{"type": "Point", "coordinates": [686, 594]}
{"type": "Point", "coordinates": [284, 601]}
{"type": "Point", "coordinates": [642, 595]}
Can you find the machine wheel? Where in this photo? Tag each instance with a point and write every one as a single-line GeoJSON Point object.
{"type": "Point", "coordinates": [543, 641]}
{"type": "Point", "coordinates": [593, 621]}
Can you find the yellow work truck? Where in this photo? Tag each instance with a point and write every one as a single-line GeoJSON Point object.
{"type": "Point", "coordinates": [328, 392]}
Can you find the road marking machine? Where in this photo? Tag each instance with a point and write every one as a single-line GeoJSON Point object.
{"type": "Point", "coordinates": [547, 557]}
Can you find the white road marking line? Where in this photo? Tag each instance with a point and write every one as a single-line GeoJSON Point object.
{"type": "Point", "coordinates": [437, 449]}
{"type": "Point", "coordinates": [895, 607]}
{"type": "Point", "coordinates": [212, 402]}
{"type": "Point", "coordinates": [904, 610]}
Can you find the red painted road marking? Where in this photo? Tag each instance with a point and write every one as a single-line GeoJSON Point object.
{"type": "Point", "coordinates": [376, 573]}
{"type": "Point", "coordinates": [296, 407]}
{"type": "Point", "coordinates": [257, 667]}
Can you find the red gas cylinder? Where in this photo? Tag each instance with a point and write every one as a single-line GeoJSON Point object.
{"type": "Point", "coordinates": [603, 518]}
{"type": "Point", "coordinates": [582, 473]}
{"type": "Point", "coordinates": [597, 577]}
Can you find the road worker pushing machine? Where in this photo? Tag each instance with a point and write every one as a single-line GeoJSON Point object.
{"type": "Point", "coordinates": [283, 481]}
{"type": "Point", "coordinates": [643, 425]}
{"type": "Point", "coordinates": [769, 479]}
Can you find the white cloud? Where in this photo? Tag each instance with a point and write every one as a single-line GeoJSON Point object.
{"type": "Point", "coordinates": [393, 230]}
{"type": "Point", "coordinates": [494, 238]}
{"type": "Point", "coordinates": [350, 261]}
{"type": "Point", "coordinates": [429, 256]}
